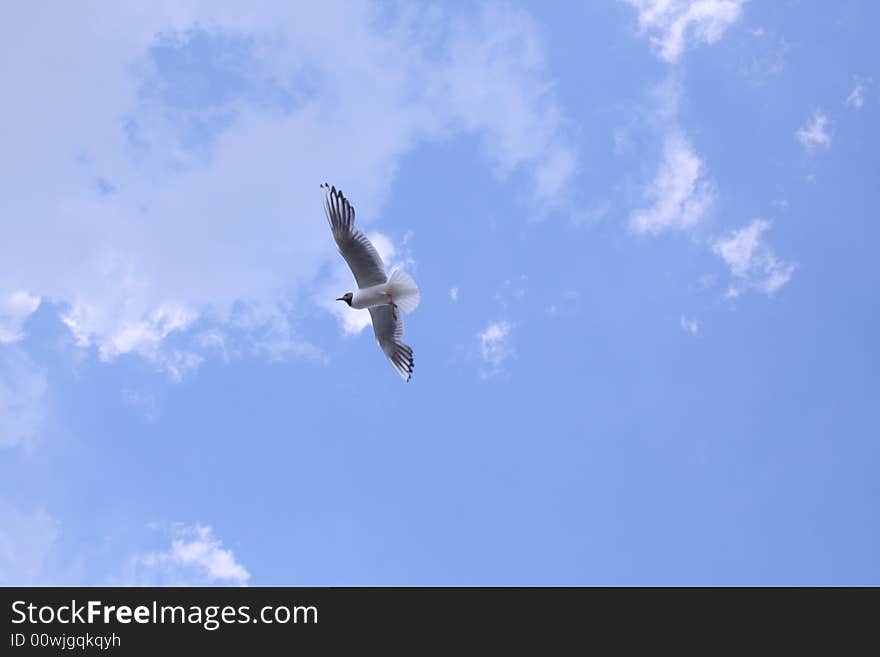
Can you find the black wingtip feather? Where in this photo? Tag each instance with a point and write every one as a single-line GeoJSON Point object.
{"type": "Point", "coordinates": [403, 360]}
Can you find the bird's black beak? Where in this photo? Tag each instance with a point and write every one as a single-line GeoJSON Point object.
{"type": "Point", "coordinates": [340, 299]}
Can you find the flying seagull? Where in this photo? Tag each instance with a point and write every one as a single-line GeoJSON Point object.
{"type": "Point", "coordinates": [387, 298]}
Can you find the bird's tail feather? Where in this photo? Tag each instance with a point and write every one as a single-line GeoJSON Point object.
{"type": "Point", "coordinates": [404, 291]}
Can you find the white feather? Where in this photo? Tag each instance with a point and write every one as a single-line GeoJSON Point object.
{"type": "Point", "coordinates": [404, 291]}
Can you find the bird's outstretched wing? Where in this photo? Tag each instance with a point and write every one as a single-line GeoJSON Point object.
{"type": "Point", "coordinates": [389, 334]}
{"type": "Point", "coordinates": [359, 253]}
{"type": "Point", "coordinates": [368, 269]}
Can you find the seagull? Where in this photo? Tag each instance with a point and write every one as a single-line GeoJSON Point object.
{"type": "Point", "coordinates": [387, 297]}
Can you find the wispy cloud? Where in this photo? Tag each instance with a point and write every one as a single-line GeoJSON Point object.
{"type": "Point", "coordinates": [815, 133]}
{"type": "Point", "coordinates": [692, 326]}
{"type": "Point", "coordinates": [31, 554]}
{"type": "Point", "coordinates": [495, 348]}
{"type": "Point", "coordinates": [453, 294]}
{"type": "Point", "coordinates": [15, 308]}
{"type": "Point", "coordinates": [679, 195]}
{"type": "Point", "coordinates": [196, 557]}
{"type": "Point", "coordinates": [856, 98]}
{"type": "Point", "coordinates": [189, 192]}
{"type": "Point", "coordinates": [143, 336]}
{"type": "Point", "coordinates": [675, 25]}
{"type": "Point", "coordinates": [752, 264]}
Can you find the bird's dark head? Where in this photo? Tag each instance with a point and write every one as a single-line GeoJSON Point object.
{"type": "Point", "coordinates": [346, 297]}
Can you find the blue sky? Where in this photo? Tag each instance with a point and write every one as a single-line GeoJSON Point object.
{"type": "Point", "coordinates": [644, 233]}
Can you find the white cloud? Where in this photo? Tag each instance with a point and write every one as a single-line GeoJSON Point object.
{"type": "Point", "coordinates": [674, 25]}
{"type": "Point", "coordinates": [751, 263]}
{"type": "Point", "coordinates": [815, 132]}
{"type": "Point", "coordinates": [15, 308]}
{"type": "Point", "coordinates": [23, 387]}
{"type": "Point", "coordinates": [679, 195]}
{"type": "Point", "coordinates": [175, 197]}
{"type": "Point", "coordinates": [738, 250]}
{"type": "Point", "coordinates": [498, 61]}
{"type": "Point", "coordinates": [142, 336]}
{"type": "Point", "coordinates": [31, 555]}
{"type": "Point", "coordinates": [27, 540]}
{"type": "Point", "coordinates": [856, 97]}
{"type": "Point", "coordinates": [692, 326]}
{"type": "Point", "coordinates": [495, 348]}
{"type": "Point", "coordinates": [453, 294]}
{"type": "Point", "coordinates": [196, 557]}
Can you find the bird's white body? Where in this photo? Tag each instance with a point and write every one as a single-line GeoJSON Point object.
{"type": "Point", "coordinates": [400, 291]}
{"type": "Point", "coordinates": [375, 295]}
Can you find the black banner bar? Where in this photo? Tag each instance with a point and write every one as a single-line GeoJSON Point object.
{"type": "Point", "coordinates": [123, 621]}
